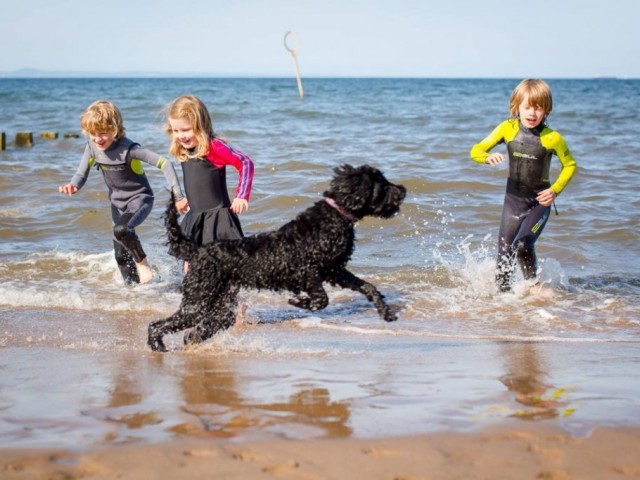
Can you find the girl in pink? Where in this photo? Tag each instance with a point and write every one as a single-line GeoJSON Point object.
{"type": "Point", "coordinates": [204, 157]}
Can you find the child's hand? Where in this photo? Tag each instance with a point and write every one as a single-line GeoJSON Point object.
{"type": "Point", "coordinates": [546, 197]}
{"type": "Point", "coordinates": [239, 205]}
{"type": "Point", "coordinates": [182, 205]}
{"type": "Point", "coordinates": [494, 159]}
{"type": "Point", "coordinates": [68, 189]}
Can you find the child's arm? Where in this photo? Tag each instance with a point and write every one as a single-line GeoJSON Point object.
{"type": "Point", "coordinates": [81, 175]}
{"type": "Point", "coordinates": [567, 161]}
{"type": "Point", "coordinates": [221, 154]}
{"type": "Point", "coordinates": [168, 171]}
{"type": "Point", "coordinates": [480, 151]}
{"type": "Point", "coordinates": [554, 141]}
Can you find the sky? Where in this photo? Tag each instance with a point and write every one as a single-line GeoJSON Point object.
{"type": "Point", "coordinates": [345, 38]}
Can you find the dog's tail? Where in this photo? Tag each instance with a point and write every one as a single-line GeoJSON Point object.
{"type": "Point", "coordinates": [179, 245]}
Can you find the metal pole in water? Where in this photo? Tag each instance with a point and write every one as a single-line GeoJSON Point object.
{"type": "Point", "coordinates": [294, 53]}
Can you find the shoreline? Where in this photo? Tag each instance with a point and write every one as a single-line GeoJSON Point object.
{"type": "Point", "coordinates": [499, 452]}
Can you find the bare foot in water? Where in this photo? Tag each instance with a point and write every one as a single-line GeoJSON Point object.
{"type": "Point", "coordinates": [541, 291]}
{"type": "Point", "coordinates": [144, 271]}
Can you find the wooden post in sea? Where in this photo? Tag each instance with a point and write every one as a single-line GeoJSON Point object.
{"type": "Point", "coordinates": [3, 141]}
{"type": "Point", "coordinates": [294, 54]}
{"type": "Point", "coordinates": [52, 135]}
{"type": "Point", "coordinates": [24, 139]}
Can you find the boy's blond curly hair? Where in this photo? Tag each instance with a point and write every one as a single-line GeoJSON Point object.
{"type": "Point", "coordinates": [102, 116]}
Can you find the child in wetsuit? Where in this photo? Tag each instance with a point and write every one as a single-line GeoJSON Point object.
{"type": "Point", "coordinates": [529, 194]}
{"type": "Point", "coordinates": [120, 161]}
{"type": "Point", "coordinates": [204, 156]}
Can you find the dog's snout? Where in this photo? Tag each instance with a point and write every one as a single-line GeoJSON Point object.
{"type": "Point", "coordinates": [399, 192]}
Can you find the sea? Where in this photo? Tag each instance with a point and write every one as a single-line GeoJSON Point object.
{"type": "Point", "coordinates": [75, 369]}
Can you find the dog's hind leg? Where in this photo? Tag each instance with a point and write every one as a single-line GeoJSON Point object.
{"type": "Point", "coordinates": [315, 299]}
{"type": "Point", "coordinates": [190, 313]}
{"type": "Point", "coordinates": [346, 279]}
{"type": "Point", "coordinates": [158, 329]}
{"type": "Point", "coordinates": [154, 339]}
{"type": "Point", "coordinates": [221, 316]}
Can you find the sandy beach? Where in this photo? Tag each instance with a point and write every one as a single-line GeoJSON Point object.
{"type": "Point", "coordinates": [527, 452]}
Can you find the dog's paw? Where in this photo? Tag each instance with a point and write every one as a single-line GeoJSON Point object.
{"type": "Point", "coordinates": [301, 302]}
{"type": "Point", "coordinates": [389, 315]}
{"type": "Point", "coordinates": [157, 345]}
{"type": "Point", "coordinates": [154, 339]}
{"type": "Point", "coordinates": [191, 337]}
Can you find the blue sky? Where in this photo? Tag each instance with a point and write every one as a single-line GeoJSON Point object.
{"type": "Point", "coordinates": [401, 38]}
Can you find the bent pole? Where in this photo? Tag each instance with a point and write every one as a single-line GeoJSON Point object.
{"type": "Point", "coordinates": [294, 53]}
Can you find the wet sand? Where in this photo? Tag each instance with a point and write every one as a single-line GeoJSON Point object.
{"type": "Point", "coordinates": [501, 452]}
{"type": "Point", "coordinates": [83, 398]}
{"type": "Point", "coordinates": [384, 409]}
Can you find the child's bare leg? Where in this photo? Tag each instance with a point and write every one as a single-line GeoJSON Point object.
{"type": "Point", "coordinates": [129, 239]}
{"type": "Point", "coordinates": [144, 271]}
{"type": "Point", "coordinates": [242, 310]}
{"type": "Point", "coordinates": [126, 264]}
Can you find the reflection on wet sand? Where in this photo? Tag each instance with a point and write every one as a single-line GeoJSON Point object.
{"type": "Point", "coordinates": [211, 395]}
{"type": "Point", "coordinates": [127, 407]}
{"type": "Point", "coordinates": [206, 396]}
{"type": "Point", "coordinates": [525, 376]}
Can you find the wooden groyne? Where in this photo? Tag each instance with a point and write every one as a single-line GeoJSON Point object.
{"type": "Point", "coordinates": [25, 139]}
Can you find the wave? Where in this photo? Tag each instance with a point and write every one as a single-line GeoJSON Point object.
{"type": "Point", "coordinates": [85, 282]}
{"type": "Point", "coordinates": [448, 292]}
{"type": "Point", "coordinates": [316, 322]}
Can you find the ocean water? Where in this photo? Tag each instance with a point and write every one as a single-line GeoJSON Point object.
{"type": "Point", "coordinates": [75, 369]}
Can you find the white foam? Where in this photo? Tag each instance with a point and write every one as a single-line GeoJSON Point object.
{"type": "Point", "coordinates": [396, 332]}
{"type": "Point", "coordinates": [242, 342]}
{"type": "Point", "coordinates": [81, 281]}
{"type": "Point", "coordinates": [453, 295]}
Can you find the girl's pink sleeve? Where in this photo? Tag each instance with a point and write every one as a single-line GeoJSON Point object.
{"type": "Point", "coordinates": [221, 154]}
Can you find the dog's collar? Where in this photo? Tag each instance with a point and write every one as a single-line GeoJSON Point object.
{"type": "Point", "coordinates": [346, 214]}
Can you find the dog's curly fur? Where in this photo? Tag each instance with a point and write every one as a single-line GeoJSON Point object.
{"type": "Point", "coordinates": [313, 248]}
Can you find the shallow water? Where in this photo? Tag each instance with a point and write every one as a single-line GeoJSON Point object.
{"type": "Point", "coordinates": [75, 367]}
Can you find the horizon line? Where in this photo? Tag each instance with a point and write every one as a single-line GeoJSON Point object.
{"type": "Point", "coordinates": [149, 76]}
{"type": "Point", "coordinates": [53, 74]}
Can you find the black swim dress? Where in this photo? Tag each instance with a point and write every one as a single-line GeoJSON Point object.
{"type": "Point", "coordinates": [209, 217]}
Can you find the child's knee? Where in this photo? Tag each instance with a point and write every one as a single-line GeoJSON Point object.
{"type": "Point", "coordinates": [120, 232]}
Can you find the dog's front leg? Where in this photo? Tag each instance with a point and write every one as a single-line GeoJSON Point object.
{"type": "Point", "coordinates": [346, 279]}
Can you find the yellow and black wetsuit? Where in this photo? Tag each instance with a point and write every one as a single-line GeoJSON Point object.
{"type": "Point", "coordinates": [523, 218]}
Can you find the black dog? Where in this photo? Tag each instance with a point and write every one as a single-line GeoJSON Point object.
{"type": "Point", "coordinates": [300, 256]}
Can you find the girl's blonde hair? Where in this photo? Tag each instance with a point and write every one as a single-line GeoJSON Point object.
{"type": "Point", "coordinates": [195, 112]}
{"type": "Point", "coordinates": [536, 91]}
{"type": "Point", "coordinates": [102, 116]}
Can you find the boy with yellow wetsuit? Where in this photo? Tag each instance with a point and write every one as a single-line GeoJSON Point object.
{"type": "Point", "coordinates": [529, 194]}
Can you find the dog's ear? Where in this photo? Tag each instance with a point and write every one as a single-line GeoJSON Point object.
{"type": "Point", "coordinates": [351, 187]}
{"type": "Point", "coordinates": [343, 169]}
